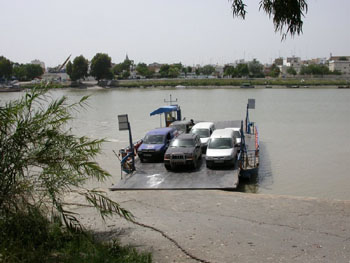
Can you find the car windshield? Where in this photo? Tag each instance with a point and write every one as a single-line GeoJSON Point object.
{"type": "Point", "coordinates": [180, 127]}
{"type": "Point", "coordinates": [182, 143]}
{"type": "Point", "coordinates": [202, 133]}
{"type": "Point", "coordinates": [220, 143]}
{"type": "Point", "coordinates": [154, 139]}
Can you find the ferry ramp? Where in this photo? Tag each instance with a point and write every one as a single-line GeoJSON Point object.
{"type": "Point", "coordinates": [154, 176]}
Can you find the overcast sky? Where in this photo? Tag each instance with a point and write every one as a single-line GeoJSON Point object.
{"type": "Point", "coordinates": [164, 31]}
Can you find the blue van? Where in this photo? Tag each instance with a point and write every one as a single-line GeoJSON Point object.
{"type": "Point", "coordinates": [155, 144]}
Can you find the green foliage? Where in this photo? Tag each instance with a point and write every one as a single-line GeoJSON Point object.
{"type": "Point", "coordinates": [26, 72]}
{"type": "Point", "coordinates": [242, 70]}
{"type": "Point", "coordinates": [229, 71]}
{"type": "Point", "coordinates": [170, 71]}
{"type": "Point", "coordinates": [207, 70]}
{"type": "Point", "coordinates": [164, 70]}
{"type": "Point", "coordinates": [5, 68]}
{"type": "Point", "coordinates": [255, 69]}
{"type": "Point", "coordinates": [101, 67]}
{"type": "Point", "coordinates": [274, 71]}
{"type": "Point", "coordinates": [291, 71]}
{"type": "Point", "coordinates": [314, 69]}
{"type": "Point", "coordinates": [31, 237]}
{"type": "Point", "coordinates": [237, 82]}
{"type": "Point", "coordinates": [79, 68]}
{"type": "Point", "coordinates": [41, 160]}
{"type": "Point", "coordinates": [287, 14]}
{"type": "Point", "coordinates": [174, 71]}
{"type": "Point", "coordinates": [143, 70]}
{"type": "Point", "coordinates": [343, 59]}
{"type": "Point", "coordinates": [122, 70]}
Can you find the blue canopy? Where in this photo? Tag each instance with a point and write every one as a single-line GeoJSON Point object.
{"type": "Point", "coordinates": [164, 109]}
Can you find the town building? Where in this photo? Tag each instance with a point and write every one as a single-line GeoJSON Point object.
{"type": "Point", "coordinates": [342, 66]}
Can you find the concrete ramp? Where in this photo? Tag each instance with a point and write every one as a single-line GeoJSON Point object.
{"type": "Point", "coordinates": [154, 176]}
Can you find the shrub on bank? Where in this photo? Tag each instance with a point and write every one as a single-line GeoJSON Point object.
{"type": "Point", "coordinates": [31, 237]}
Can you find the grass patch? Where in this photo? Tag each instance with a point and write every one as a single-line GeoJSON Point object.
{"type": "Point", "coordinates": [31, 237]}
{"type": "Point", "coordinates": [228, 82]}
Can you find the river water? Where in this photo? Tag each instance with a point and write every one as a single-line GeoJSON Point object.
{"type": "Point", "coordinates": [304, 133]}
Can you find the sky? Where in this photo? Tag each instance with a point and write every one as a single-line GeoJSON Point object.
{"type": "Point", "coordinates": [164, 31]}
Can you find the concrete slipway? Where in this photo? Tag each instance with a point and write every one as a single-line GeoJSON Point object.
{"type": "Point", "coordinates": [221, 226]}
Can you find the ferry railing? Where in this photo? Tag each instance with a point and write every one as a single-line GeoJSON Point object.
{"type": "Point", "coordinates": [249, 159]}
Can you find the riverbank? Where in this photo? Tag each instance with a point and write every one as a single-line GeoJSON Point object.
{"type": "Point", "coordinates": [220, 226]}
{"type": "Point", "coordinates": [276, 83]}
{"type": "Point", "coordinates": [258, 83]}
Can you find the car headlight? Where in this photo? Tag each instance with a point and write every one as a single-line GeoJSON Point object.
{"type": "Point", "coordinates": [188, 155]}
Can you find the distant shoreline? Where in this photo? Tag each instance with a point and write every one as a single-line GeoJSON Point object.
{"type": "Point", "coordinates": [198, 83]}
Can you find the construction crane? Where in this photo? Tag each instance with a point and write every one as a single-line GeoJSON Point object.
{"type": "Point", "coordinates": [60, 67]}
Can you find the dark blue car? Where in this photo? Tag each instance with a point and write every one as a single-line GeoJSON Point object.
{"type": "Point", "coordinates": [155, 144]}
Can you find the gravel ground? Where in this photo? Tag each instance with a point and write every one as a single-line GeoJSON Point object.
{"type": "Point", "coordinates": [220, 226]}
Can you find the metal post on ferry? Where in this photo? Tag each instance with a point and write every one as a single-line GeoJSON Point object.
{"type": "Point", "coordinates": [123, 126]}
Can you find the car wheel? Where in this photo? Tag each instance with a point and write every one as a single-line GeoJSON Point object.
{"type": "Point", "coordinates": [208, 165]}
{"type": "Point", "coordinates": [195, 164]}
{"type": "Point", "coordinates": [168, 167]}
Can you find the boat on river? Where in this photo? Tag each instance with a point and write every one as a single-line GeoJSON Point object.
{"type": "Point", "coordinates": [137, 175]}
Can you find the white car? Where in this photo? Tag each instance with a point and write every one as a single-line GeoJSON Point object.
{"type": "Point", "coordinates": [221, 150]}
{"type": "Point", "coordinates": [237, 135]}
{"type": "Point", "coordinates": [204, 131]}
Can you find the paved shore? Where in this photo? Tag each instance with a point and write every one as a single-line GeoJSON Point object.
{"type": "Point", "coordinates": [220, 226]}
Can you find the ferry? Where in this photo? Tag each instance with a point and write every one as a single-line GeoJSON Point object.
{"type": "Point", "coordinates": [150, 175]}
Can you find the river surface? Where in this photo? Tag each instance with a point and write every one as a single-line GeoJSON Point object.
{"type": "Point", "coordinates": [304, 133]}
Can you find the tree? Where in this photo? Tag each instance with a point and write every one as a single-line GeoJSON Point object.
{"type": "Point", "coordinates": [174, 71]}
{"type": "Point", "coordinates": [101, 67]}
{"type": "Point", "coordinates": [229, 71]}
{"type": "Point", "coordinates": [164, 70]}
{"type": "Point", "coordinates": [284, 13]}
{"type": "Point", "coordinates": [5, 68]}
{"type": "Point", "coordinates": [274, 71]}
{"type": "Point", "coordinates": [189, 69]}
{"type": "Point", "coordinates": [242, 70]}
{"type": "Point", "coordinates": [26, 72]}
{"type": "Point", "coordinates": [256, 69]}
{"type": "Point", "coordinates": [69, 69]}
{"type": "Point", "coordinates": [143, 70]}
{"type": "Point", "coordinates": [79, 68]}
{"type": "Point", "coordinates": [41, 161]}
{"type": "Point", "coordinates": [207, 70]}
{"type": "Point", "coordinates": [291, 71]}
{"type": "Point", "coordinates": [314, 70]}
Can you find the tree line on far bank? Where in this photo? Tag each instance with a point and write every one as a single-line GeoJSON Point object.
{"type": "Point", "coordinates": [22, 72]}
{"type": "Point", "coordinates": [101, 67]}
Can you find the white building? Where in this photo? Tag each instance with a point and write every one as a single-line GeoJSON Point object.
{"type": "Point", "coordinates": [340, 65]}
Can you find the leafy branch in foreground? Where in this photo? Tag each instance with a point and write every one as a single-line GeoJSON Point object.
{"type": "Point", "coordinates": [285, 13]}
{"type": "Point", "coordinates": [41, 160]}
